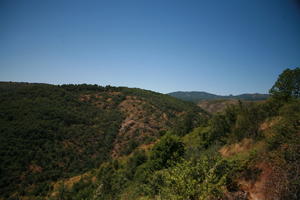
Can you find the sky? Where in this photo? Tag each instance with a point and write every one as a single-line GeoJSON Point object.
{"type": "Point", "coordinates": [217, 46]}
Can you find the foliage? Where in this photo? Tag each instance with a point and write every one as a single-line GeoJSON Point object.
{"type": "Point", "coordinates": [49, 133]}
{"type": "Point", "coordinates": [285, 146]}
{"type": "Point", "coordinates": [287, 85]}
{"type": "Point", "coordinates": [205, 179]}
{"type": "Point", "coordinates": [169, 149]}
{"type": "Point", "coordinates": [188, 122]}
{"type": "Point", "coordinates": [139, 157]}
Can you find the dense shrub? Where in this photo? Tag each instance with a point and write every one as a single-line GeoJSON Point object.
{"type": "Point", "coordinates": [169, 149]}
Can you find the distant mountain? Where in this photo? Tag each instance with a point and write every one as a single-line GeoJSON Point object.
{"type": "Point", "coordinates": [200, 96]}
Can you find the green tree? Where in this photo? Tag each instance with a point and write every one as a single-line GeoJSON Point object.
{"type": "Point", "coordinates": [287, 85]}
{"type": "Point", "coordinates": [168, 149]}
{"type": "Point", "coordinates": [205, 179]}
{"type": "Point", "coordinates": [139, 157]}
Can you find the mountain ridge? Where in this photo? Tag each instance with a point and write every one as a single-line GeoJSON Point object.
{"type": "Point", "coordinates": [196, 96]}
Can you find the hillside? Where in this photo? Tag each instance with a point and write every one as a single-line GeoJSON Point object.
{"type": "Point", "coordinates": [199, 96]}
{"type": "Point", "coordinates": [218, 105]}
{"type": "Point", "coordinates": [248, 152]}
{"type": "Point", "coordinates": [87, 142]}
{"type": "Point", "coordinates": [50, 132]}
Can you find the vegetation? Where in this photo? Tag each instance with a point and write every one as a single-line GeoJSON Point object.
{"type": "Point", "coordinates": [49, 133]}
{"type": "Point", "coordinates": [248, 151]}
{"type": "Point", "coordinates": [287, 85]}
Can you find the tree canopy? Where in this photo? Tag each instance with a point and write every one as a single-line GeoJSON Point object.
{"type": "Point", "coordinates": [287, 85]}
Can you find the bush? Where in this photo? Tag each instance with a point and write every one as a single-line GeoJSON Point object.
{"type": "Point", "coordinates": [168, 150]}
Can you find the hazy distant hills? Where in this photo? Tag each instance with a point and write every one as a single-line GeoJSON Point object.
{"type": "Point", "coordinates": [195, 96]}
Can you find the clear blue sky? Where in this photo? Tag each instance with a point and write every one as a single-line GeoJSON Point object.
{"type": "Point", "coordinates": [218, 46]}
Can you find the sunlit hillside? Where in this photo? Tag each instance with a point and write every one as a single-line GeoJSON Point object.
{"type": "Point", "coordinates": [91, 142]}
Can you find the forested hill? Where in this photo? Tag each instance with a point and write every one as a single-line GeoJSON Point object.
{"type": "Point", "coordinates": [199, 96]}
{"type": "Point", "coordinates": [86, 142]}
{"type": "Point", "coordinates": [50, 132]}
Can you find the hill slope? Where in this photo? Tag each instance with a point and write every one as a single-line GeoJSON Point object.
{"type": "Point", "coordinates": [50, 132]}
{"type": "Point", "coordinates": [199, 96]}
{"type": "Point", "coordinates": [89, 142]}
{"type": "Point", "coordinates": [248, 152]}
{"type": "Point", "coordinates": [218, 105]}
